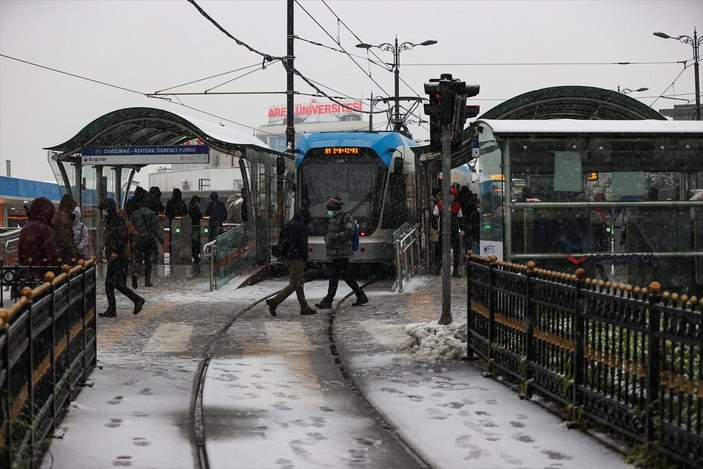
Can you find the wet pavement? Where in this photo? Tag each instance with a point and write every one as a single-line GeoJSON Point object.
{"type": "Point", "coordinates": [274, 395]}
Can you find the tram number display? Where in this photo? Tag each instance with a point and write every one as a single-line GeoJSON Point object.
{"type": "Point", "coordinates": [332, 151]}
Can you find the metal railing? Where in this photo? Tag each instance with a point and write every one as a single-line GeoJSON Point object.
{"type": "Point", "coordinates": [48, 347]}
{"type": "Point", "coordinates": [9, 241]}
{"type": "Point", "coordinates": [626, 358]}
{"type": "Point", "coordinates": [406, 247]}
{"type": "Point", "coordinates": [229, 254]}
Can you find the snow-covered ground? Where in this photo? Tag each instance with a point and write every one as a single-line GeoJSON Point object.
{"type": "Point", "coordinates": [136, 412]}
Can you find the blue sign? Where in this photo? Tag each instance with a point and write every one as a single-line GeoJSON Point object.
{"type": "Point", "coordinates": [146, 154]}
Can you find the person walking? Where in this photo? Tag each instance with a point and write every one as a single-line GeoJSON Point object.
{"type": "Point", "coordinates": [37, 244]}
{"type": "Point", "coordinates": [217, 213]}
{"type": "Point", "coordinates": [117, 255]}
{"type": "Point", "coordinates": [338, 243]}
{"type": "Point", "coordinates": [294, 245]}
{"type": "Point", "coordinates": [146, 243]}
{"type": "Point", "coordinates": [195, 214]}
{"type": "Point", "coordinates": [63, 229]}
{"type": "Point", "coordinates": [80, 233]}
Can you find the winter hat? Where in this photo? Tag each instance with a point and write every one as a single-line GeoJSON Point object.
{"type": "Point", "coordinates": [335, 204]}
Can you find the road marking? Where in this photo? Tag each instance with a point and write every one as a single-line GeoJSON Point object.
{"type": "Point", "coordinates": [173, 337]}
{"type": "Point", "coordinates": [287, 337]}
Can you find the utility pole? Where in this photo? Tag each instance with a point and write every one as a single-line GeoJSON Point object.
{"type": "Point", "coordinates": [446, 317]}
{"type": "Point", "coordinates": [290, 117]}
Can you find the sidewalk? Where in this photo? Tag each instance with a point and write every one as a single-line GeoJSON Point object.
{"type": "Point", "coordinates": [445, 409]}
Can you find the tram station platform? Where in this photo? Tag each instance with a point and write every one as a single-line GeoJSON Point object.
{"type": "Point", "coordinates": [274, 396]}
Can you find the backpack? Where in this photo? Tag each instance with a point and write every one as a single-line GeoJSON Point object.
{"type": "Point", "coordinates": [357, 235]}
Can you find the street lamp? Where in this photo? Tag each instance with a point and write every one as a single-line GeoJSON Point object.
{"type": "Point", "coordinates": [695, 42]}
{"type": "Point", "coordinates": [396, 49]}
{"type": "Point", "coordinates": [630, 90]}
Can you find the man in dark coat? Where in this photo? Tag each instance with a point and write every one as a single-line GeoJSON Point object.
{"type": "Point", "coordinates": [294, 244]}
{"type": "Point", "coordinates": [176, 207]}
{"type": "Point", "coordinates": [146, 243]}
{"type": "Point", "coordinates": [195, 214]}
{"type": "Point", "coordinates": [37, 245]}
{"type": "Point", "coordinates": [155, 200]}
{"type": "Point", "coordinates": [117, 254]}
{"type": "Point", "coordinates": [63, 230]}
{"type": "Point", "coordinates": [138, 199]}
{"type": "Point", "coordinates": [339, 249]}
{"type": "Point", "coordinates": [217, 212]}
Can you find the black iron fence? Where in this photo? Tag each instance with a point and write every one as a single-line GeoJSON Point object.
{"type": "Point", "coordinates": [626, 358]}
{"type": "Point", "coordinates": [48, 348]}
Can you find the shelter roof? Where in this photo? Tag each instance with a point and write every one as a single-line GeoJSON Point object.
{"type": "Point", "coordinates": [573, 126]}
{"type": "Point", "coordinates": [151, 126]}
{"type": "Point", "coordinates": [572, 102]}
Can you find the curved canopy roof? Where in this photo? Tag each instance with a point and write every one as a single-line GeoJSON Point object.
{"type": "Point", "coordinates": [572, 102]}
{"type": "Point", "coordinates": [151, 126]}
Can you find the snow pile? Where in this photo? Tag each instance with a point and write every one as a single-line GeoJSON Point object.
{"type": "Point", "coordinates": [433, 342]}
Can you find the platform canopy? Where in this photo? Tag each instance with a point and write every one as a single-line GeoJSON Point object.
{"type": "Point", "coordinates": [572, 102]}
{"type": "Point", "coordinates": [142, 126]}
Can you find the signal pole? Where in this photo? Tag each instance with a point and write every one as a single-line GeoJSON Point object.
{"type": "Point", "coordinates": [446, 317]}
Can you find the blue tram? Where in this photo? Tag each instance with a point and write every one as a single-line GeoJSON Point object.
{"type": "Point", "coordinates": [373, 173]}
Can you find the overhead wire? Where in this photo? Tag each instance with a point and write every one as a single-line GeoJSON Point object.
{"type": "Point", "coordinates": [81, 77]}
{"type": "Point", "coordinates": [208, 77]}
{"type": "Point", "coordinates": [661, 95]}
{"type": "Point", "coordinates": [270, 58]}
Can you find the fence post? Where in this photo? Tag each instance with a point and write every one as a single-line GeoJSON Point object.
{"type": "Point", "coordinates": [579, 339]}
{"type": "Point", "coordinates": [469, 315]}
{"type": "Point", "coordinates": [529, 326]}
{"type": "Point", "coordinates": [491, 306]}
{"type": "Point", "coordinates": [654, 297]}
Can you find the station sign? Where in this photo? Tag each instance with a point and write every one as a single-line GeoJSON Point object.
{"type": "Point", "coordinates": [146, 154]}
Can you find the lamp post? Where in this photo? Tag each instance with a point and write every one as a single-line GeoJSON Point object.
{"type": "Point", "coordinates": [396, 49]}
{"type": "Point", "coordinates": [695, 42]}
{"type": "Point", "coordinates": [630, 90]}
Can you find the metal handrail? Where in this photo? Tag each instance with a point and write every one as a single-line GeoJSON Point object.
{"type": "Point", "coordinates": [407, 241]}
{"type": "Point", "coordinates": [209, 250]}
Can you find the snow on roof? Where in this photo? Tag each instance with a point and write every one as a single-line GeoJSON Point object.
{"type": "Point", "coordinates": [572, 126]}
{"type": "Point", "coordinates": [225, 134]}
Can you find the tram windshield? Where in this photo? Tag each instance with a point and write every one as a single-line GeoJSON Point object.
{"type": "Point", "coordinates": [357, 179]}
{"type": "Point", "coordinates": [627, 208]}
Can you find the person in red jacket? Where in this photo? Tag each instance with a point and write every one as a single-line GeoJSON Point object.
{"type": "Point", "coordinates": [37, 245]}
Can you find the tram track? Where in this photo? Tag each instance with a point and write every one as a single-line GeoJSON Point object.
{"type": "Point", "coordinates": [199, 426]}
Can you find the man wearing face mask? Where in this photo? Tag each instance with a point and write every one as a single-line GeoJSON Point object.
{"type": "Point", "coordinates": [338, 242]}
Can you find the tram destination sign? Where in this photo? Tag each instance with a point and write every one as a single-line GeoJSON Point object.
{"type": "Point", "coordinates": [146, 154]}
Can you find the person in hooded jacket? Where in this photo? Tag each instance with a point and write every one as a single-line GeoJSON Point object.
{"type": "Point", "coordinates": [338, 244]}
{"type": "Point", "coordinates": [137, 200]}
{"type": "Point", "coordinates": [146, 243]}
{"type": "Point", "coordinates": [195, 214]}
{"type": "Point", "coordinates": [117, 255]}
{"type": "Point", "coordinates": [294, 244]}
{"type": "Point", "coordinates": [217, 212]}
{"type": "Point", "coordinates": [63, 229]}
{"type": "Point", "coordinates": [37, 245]}
{"type": "Point", "coordinates": [155, 200]}
{"type": "Point", "coordinates": [80, 233]}
{"type": "Point", "coordinates": [176, 207]}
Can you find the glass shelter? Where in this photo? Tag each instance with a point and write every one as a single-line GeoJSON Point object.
{"type": "Point", "coordinates": [622, 199]}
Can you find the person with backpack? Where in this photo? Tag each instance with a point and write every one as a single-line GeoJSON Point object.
{"type": "Point", "coordinates": [217, 213]}
{"type": "Point", "coordinates": [338, 242]}
{"type": "Point", "coordinates": [146, 244]}
{"type": "Point", "coordinates": [294, 252]}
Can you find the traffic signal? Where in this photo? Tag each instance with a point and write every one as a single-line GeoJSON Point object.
{"type": "Point", "coordinates": [432, 110]}
{"type": "Point", "coordinates": [462, 91]}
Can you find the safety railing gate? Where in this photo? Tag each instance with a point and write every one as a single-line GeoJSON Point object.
{"type": "Point", "coordinates": [48, 348]}
{"type": "Point", "coordinates": [626, 358]}
{"type": "Point", "coordinates": [229, 254]}
{"type": "Point", "coordinates": [406, 247]}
